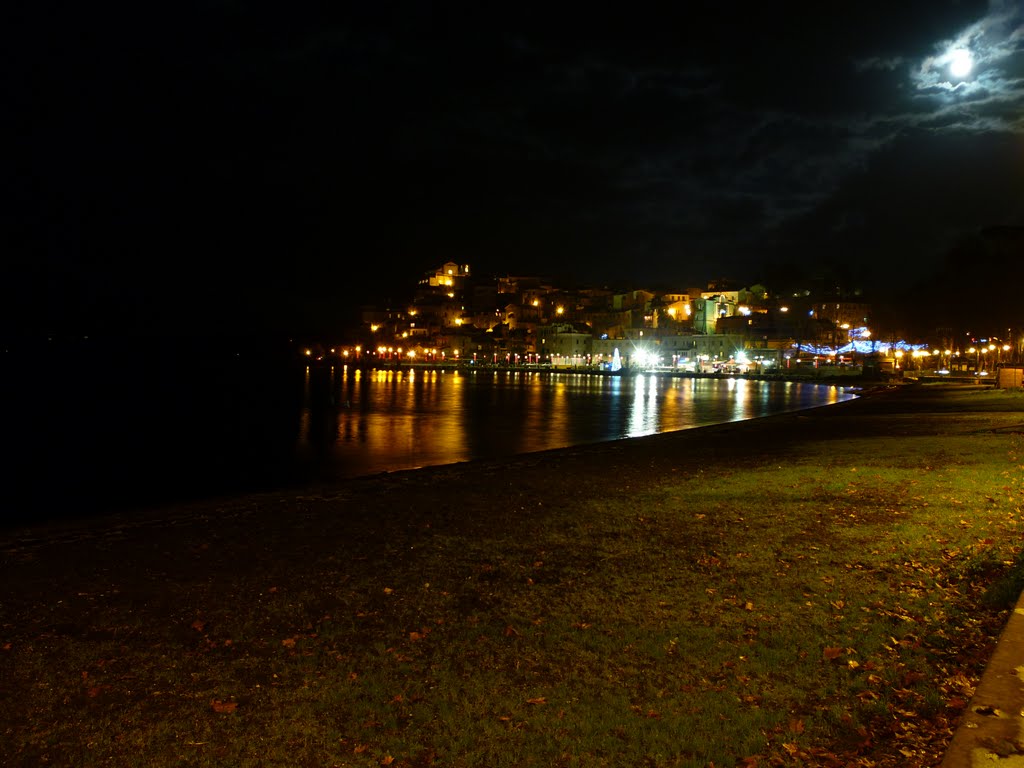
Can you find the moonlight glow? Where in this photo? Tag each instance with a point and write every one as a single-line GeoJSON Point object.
{"type": "Point", "coordinates": [960, 63]}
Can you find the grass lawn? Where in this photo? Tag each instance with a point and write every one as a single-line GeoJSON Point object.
{"type": "Point", "coordinates": [821, 588]}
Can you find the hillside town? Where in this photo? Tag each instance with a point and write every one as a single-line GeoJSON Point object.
{"type": "Point", "coordinates": [456, 317]}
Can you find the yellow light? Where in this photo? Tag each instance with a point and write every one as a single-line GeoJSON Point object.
{"type": "Point", "coordinates": [559, 310]}
{"type": "Point", "coordinates": [971, 351]}
{"type": "Point", "coordinates": [451, 295]}
{"type": "Point", "coordinates": [672, 312]}
{"type": "Point", "coordinates": [458, 321]}
{"type": "Point", "coordinates": [412, 353]}
{"type": "Point", "coordinates": [783, 309]}
{"type": "Point", "coordinates": [1006, 347]}
{"type": "Point", "coordinates": [374, 328]}
{"type": "Point", "coordinates": [309, 352]}
{"type": "Point", "coordinates": [536, 302]}
{"type": "Point", "coordinates": [991, 346]}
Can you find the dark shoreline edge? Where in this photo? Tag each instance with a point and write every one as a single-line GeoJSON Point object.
{"type": "Point", "coordinates": [592, 459]}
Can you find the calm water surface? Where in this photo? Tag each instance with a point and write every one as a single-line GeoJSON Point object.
{"type": "Point", "coordinates": [359, 422]}
{"type": "Point", "coordinates": [83, 441]}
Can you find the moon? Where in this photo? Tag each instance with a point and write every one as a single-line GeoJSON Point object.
{"type": "Point", "coordinates": [960, 63]}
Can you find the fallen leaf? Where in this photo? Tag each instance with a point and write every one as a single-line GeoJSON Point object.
{"type": "Point", "coordinates": [538, 700]}
{"type": "Point", "coordinates": [198, 625]}
{"type": "Point", "coordinates": [288, 642]}
{"type": "Point", "coordinates": [387, 760]}
{"type": "Point", "coordinates": [832, 653]}
{"type": "Point", "coordinates": [912, 677]}
{"type": "Point", "coordinates": [223, 706]}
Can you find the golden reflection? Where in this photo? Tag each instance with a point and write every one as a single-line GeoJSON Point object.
{"type": "Point", "coordinates": [367, 421]}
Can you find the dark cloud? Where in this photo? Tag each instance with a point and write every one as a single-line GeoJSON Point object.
{"type": "Point", "coordinates": [265, 165]}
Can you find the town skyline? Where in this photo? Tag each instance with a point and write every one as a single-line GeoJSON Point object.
{"type": "Point", "coordinates": [455, 315]}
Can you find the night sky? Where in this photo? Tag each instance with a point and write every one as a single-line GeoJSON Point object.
{"type": "Point", "coordinates": [244, 167]}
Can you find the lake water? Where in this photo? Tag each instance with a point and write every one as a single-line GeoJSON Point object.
{"type": "Point", "coordinates": [103, 438]}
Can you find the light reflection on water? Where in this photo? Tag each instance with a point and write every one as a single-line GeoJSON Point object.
{"type": "Point", "coordinates": [357, 422]}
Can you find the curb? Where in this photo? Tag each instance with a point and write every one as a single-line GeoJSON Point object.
{"type": "Point", "coordinates": [992, 728]}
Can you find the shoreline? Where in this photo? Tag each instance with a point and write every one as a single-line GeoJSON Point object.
{"type": "Point", "coordinates": [685, 441]}
{"type": "Point", "coordinates": [118, 470]}
{"type": "Point", "coordinates": [129, 513]}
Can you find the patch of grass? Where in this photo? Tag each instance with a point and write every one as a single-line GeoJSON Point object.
{"type": "Point", "coordinates": [1006, 590]}
{"type": "Point", "coordinates": [835, 598]}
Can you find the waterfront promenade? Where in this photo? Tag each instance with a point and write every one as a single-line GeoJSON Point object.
{"type": "Point", "coordinates": [597, 605]}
